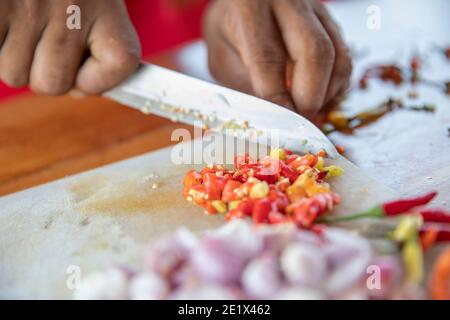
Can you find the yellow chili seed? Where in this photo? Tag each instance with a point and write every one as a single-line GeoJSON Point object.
{"type": "Point", "coordinates": [219, 205]}
{"type": "Point", "coordinates": [252, 179]}
{"type": "Point", "coordinates": [320, 163]}
{"type": "Point", "coordinates": [333, 171]}
{"type": "Point", "coordinates": [233, 204]}
{"type": "Point", "coordinates": [278, 153]}
{"type": "Point", "coordinates": [259, 190]}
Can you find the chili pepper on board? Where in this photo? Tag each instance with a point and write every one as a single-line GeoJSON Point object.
{"type": "Point", "coordinates": [401, 206]}
{"type": "Point", "coordinates": [388, 209]}
{"type": "Point", "coordinates": [435, 215]}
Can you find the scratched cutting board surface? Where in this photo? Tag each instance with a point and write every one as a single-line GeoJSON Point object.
{"type": "Point", "coordinates": [108, 216]}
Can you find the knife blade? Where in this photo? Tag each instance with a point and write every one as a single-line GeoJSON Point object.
{"type": "Point", "coordinates": [169, 94]}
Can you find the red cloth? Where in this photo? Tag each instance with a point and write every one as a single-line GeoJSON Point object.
{"type": "Point", "coordinates": [160, 25]}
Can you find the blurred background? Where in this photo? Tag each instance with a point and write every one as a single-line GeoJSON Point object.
{"type": "Point", "coordinates": [408, 148]}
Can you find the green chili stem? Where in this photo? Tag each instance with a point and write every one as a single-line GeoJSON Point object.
{"type": "Point", "coordinates": [375, 212]}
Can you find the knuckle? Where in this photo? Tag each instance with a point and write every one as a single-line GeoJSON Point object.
{"type": "Point", "coordinates": [262, 60]}
{"type": "Point", "coordinates": [30, 7]}
{"type": "Point", "coordinates": [52, 84]}
{"type": "Point", "coordinates": [244, 14]}
{"type": "Point", "coordinates": [123, 59]}
{"type": "Point", "coordinates": [61, 41]}
{"type": "Point", "coordinates": [243, 8]}
{"type": "Point", "coordinates": [323, 49]}
{"type": "Point", "coordinates": [299, 6]}
{"type": "Point", "coordinates": [267, 56]}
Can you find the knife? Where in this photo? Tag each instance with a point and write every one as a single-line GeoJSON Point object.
{"type": "Point", "coordinates": [169, 94]}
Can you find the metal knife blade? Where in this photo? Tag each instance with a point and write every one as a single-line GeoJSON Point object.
{"type": "Point", "coordinates": [169, 94]}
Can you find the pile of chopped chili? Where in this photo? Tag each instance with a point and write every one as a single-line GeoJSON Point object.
{"type": "Point", "coordinates": [282, 187]}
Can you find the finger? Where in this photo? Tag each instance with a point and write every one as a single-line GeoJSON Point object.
{"type": "Point", "coordinates": [224, 62]}
{"type": "Point", "coordinates": [57, 59]}
{"type": "Point", "coordinates": [340, 79]}
{"type": "Point", "coordinates": [258, 41]}
{"type": "Point", "coordinates": [115, 54]}
{"type": "Point", "coordinates": [312, 52]}
{"type": "Point", "coordinates": [3, 24]}
{"type": "Point", "coordinates": [227, 68]}
{"type": "Point", "coordinates": [17, 51]}
{"type": "Point", "coordinates": [3, 34]}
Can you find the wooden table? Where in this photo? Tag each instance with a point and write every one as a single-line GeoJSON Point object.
{"type": "Point", "coordinates": [45, 138]}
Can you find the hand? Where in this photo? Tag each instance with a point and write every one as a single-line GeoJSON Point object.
{"type": "Point", "coordinates": [38, 49]}
{"type": "Point", "coordinates": [252, 44]}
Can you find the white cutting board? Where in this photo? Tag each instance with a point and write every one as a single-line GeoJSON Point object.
{"type": "Point", "coordinates": [108, 215]}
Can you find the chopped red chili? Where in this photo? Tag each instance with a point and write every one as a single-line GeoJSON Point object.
{"type": "Point", "coordinates": [282, 187]}
{"type": "Point", "coordinates": [306, 211]}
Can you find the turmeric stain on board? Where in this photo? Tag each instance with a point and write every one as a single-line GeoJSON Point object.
{"type": "Point", "coordinates": [122, 194]}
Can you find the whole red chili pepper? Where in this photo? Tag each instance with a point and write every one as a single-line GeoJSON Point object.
{"type": "Point", "coordinates": [388, 209]}
{"type": "Point", "coordinates": [401, 206]}
{"type": "Point", "coordinates": [435, 215]}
